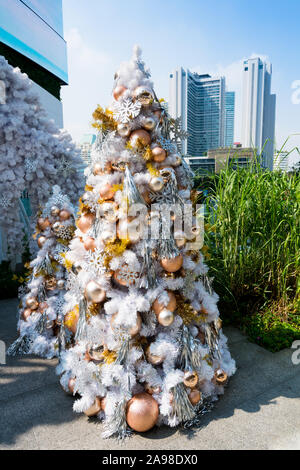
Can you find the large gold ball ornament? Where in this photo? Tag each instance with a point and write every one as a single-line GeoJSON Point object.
{"type": "Point", "coordinates": [26, 314]}
{"type": "Point", "coordinates": [107, 192]}
{"type": "Point", "coordinates": [156, 183]}
{"type": "Point", "coordinates": [177, 160]}
{"type": "Point", "coordinates": [71, 320]}
{"type": "Point", "coordinates": [190, 379]}
{"type": "Point", "coordinates": [85, 222]}
{"type": "Point", "coordinates": [165, 317]}
{"type": "Point", "coordinates": [54, 211]}
{"type": "Point", "coordinates": [139, 137]}
{"type": "Point", "coordinates": [149, 123]}
{"type": "Point", "coordinates": [124, 129]}
{"type": "Point", "coordinates": [171, 265]}
{"type": "Point", "coordinates": [99, 169]}
{"type": "Point", "coordinates": [159, 154]}
{"type": "Point", "coordinates": [43, 224]}
{"type": "Point", "coordinates": [64, 215]}
{"type": "Point", "coordinates": [94, 292]}
{"type": "Point", "coordinates": [142, 412]}
{"type": "Point", "coordinates": [90, 244]}
{"type": "Point", "coordinates": [32, 303]}
{"type": "Point", "coordinates": [152, 358]}
{"type": "Point", "coordinates": [119, 91]}
{"type": "Point", "coordinates": [144, 95]}
{"type": "Point", "coordinates": [41, 241]}
{"type": "Point", "coordinates": [220, 377]}
{"type": "Point", "coordinates": [95, 408]}
{"type": "Point", "coordinates": [195, 396]}
{"type": "Point", "coordinates": [158, 307]}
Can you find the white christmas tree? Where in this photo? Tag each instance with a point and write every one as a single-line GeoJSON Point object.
{"type": "Point", "coordinates": [41, 319]}
{"type": "Point", "coordinates": [149, 347]}
{"type": "Point", "coordinates": [34, 154]}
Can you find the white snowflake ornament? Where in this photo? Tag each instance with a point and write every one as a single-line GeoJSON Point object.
{"type": "Point", "coordinates": [126, 110]}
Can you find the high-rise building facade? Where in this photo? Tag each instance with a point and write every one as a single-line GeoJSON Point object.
{"type": "Point", "coordinates": [86, 144]}
{"type": "Point", "coordinates": [229, 118]}
{"type": "Point", "coordinates": [199, 100]}
{"type": "Point", "coordinates": [259, 108]}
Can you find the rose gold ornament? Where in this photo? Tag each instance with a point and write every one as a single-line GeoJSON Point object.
{"type": "Point", "coordinates": [159, 154]}
{"type": "Point", "coordinates": [139, 137]}
{"type": "Point", "coordinates": [156, 183]}
{"type": "Point", "coordinates": [89, 244]}
{"type": "Point", "coordinates": [54, 211]}
{"type": "Point", "coordinates": [172, 264]}
{"type": "Point", "coordinates": [94, 292]}
{"type": "Point", "coordinates": [26, 314]}
{"type": "Point", "coordinates": [71, 320]}
{"type": "Point", "coordinates": [144, 95]}
{"type": "Point", "coordinates": [152, 358]}
{"type": "Point", "coordinates": [134, 330]}
{"type": "Point", "coordinates": [142, 412]}
{"type": "Point", "coordinates": [64, 215]}
{"type": "Point", "coordinates": [85, 222]}
{"type": "Point", "coordinates": [99, 169]}
{"type": "Point", "coordinates": [153, 390]}
{"type": "Point", "coordinates": [195, 396]}
{"type": "Point", "coordinates": [190, 379]}
{"type": "Point", "coordinates": [107, 192]}
{"type": "Point", "coordinates": [43, 224]}
{"type": "Point", "coordinates": [124, 129]}
{"type": "Point", "coordinates": [95, 408]}
{"type": "Point", "coordinates": [158, 307]}
{"type": "Point", "coordinates": [165, 317]}
{"type": "Point", "coordinates": [118, 91]}
{"type": "Point", "coordinates": [149, 123]}
{"type": "Point", "coordinates": [220, 377]}
{"type": "Point", "coordinates": [41, 241]}
{"type": "Point", "coordinates": [32, 303]}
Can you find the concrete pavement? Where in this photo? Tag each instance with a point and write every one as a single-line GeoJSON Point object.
{"type": "Point", "coordinates": [260, 409]}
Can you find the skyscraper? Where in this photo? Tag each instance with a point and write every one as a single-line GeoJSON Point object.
{"type": "Point", "coordinates": [86, 144]}
{"type": "Point", "coordinates": [229, 118]}
{"type": "Point", "coordinates": [200, 102]}
{"type": "Point", "coordinates": [259, 105]}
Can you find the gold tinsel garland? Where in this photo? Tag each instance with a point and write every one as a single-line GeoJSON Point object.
{"type": "Point", "coordinates": [71, 316]}
{"type": "Point", "coordinates": [109, 356]}
{"type": "Point", "coordinates": [153, 171]}
{"type": "Point", "coordinates": [104, 120]}
{"type": "Point", "coordinates": [187, 312]}
{"type": "Point", "coordinates": [117, 247]}
{"type": "Point", "coordinates": [67, 263]}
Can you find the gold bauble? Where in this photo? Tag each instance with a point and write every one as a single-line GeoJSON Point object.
{"type": "Point", "coordinates": [94, 292]}
{"type": "Point", "coordinates": [54, 211]}
{"type": "Point", "coordinates": [64, 215]}
{"type": "Point", "coordinates": [171, 265]}
{"type": "Point", "coordinates": [144, 95]}
{"type": "Point", "coordinates": [107, 192]}
{"type": "Point", "coordinates": [165, 317]}
{"type": "Point", "coordinates": [158, 307]}
{"type": "Point", "coordinates": [195, 396]}
{"type": "Point", "coordinates": [85, 222]}
{"type": "Point", "coordinates": [134, 330]}
{"type": "Point", "coordinates": [118, 91]}
{"type": "Point", "coordinates": [149, 123]}
{"type": "Point", "coordinates": [26, 314]}
{"type": "Point", "coordinates": [156, 183]}
{"type": "Point", "coordinates": [124, 129]}
{"type": "Point", "coordinates": [71, 320]}
{"type": "Point", "coordinates": [190, 379]}
{"type": "Point", "coordinates": [142, 412]}
{"type": "Point", "coordinates": [43, 224]}
{"type": "Point", "coordinates": [32, 303]}
{"type": "Point", "coordinates": [89, 244]}
{"type": "Point", "coordinates": [100, 169]}
{"type": "Point", "coordinates": [220, 377]}
{"type": "Point", "coordinates": [152, 358]}
{"type": "Point", "coordinates": [60, 284]}
{"type": "Point", "coordinates": [153, 390]}
{"type": "Point", "coordinates": [95, 408]}
{"type": "Point", "coordinates": [41, 241]}
{"type": "Point", "coordinates": [139, 137]}
{"type": "Point", "coordinates": [158, 154]}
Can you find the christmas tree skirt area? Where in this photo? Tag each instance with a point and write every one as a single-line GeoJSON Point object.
{"type": "Point", "coordinates": [259, 410]}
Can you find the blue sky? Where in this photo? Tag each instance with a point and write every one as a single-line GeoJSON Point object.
{"type": "Point", "coordinates": [209, 37]}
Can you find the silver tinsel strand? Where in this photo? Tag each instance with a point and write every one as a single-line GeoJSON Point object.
{"type": "Point", "coordinates": [182, 407]}
{"type": "Point", "coordinates": [81, 325]}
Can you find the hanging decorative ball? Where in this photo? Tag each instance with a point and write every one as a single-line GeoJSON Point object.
{"type": "Point", "coordinates": [124, 129]}
{"type": "Point", "coordinates": [220, 377]}
{"type": "Point", "coordinates": [158, 307]}
{"type": "Point", "coordinates": [144, 95]}
{"type": "Point", "coordinates": [71, 320]}
{"type": "Point", "coordinates": [95, 408]}
{"type": "Point", "coordinates": [149, 123]}
{"type": "Point", "coordinates": [56, 226]}
{"type": "Point", "coordinates": [165, 317]}
{"type": "Point", "coordinates": [85, 222]}
{"type": "Point", "coordinates": [26, 314]}
{"type": "Point", "coordinates": [50, 283]}
{"type": "Point", "coordinates": [41, 241]}
{"type": "Point", "coordinates": [142, 412]}
{"type": "Point", "coordinates": [159, 154]}
{"type": "Point", "coordinates": [177, 160]}
{"type": "Point", "coordinates": [134, 330]}
{"type": "Point", "coordinates": [195, 396]}
{"type": "Point", "coordinates": [152, 358]}
{"type": "Point", "coordinates": [139, 137]}
{"type": "Point", "coordinates": [103, 403]}
{"type": "Point", "coordinates": [156, 183]}
{"type": "Point", "coordinates": [54, 211]}
{"type": "Point", "coordinates": [43, 224]}
{"type": "Point", "coordinates": [172, 264]}
{"type": "Point", "coordinates": [95, 355]}
{"type": "Point", "coordinates": [76, 267]}
{"type": "Point", "coordinates": [180, 239]}
{"type": "Point", "coordinates": [90, 244]}
{"type": "Point", "coordinates": [71, 385]}
{"type": "Point", "coordinates": [49, 324]}
{"type": "Point", "coordinates": [153, 390]}
{"type": "Point", "coordinates": [100, 169]}
{"type": "Point", "coordinates": [118, 91]}
{"type": "Point", "coordinates": [60, 284]}
{"type": "Point", "coordinates": [32, 303]}
{"type": "Point", "coordinates": [94, 292]}
{"type": "Point", "coordinates": [107, 192]}
{"type": "Point", "coordinates": [190, 379]}
{"type": "Point", "coordinates": [64, 215]}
